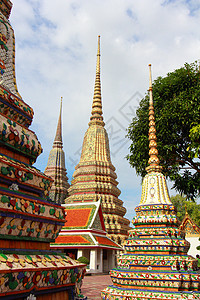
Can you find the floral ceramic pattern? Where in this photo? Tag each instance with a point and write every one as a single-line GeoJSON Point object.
{"type": "Point", "coordinates": [16, 171]}
{"type": "Point", "coordinates": [38, 272]}
{"type": "Point", "coordinates": [155, 259]}
{"type": "Point", "coordinates": [23, 140]}
{"type": "Point", "coordinates": [31, 207]}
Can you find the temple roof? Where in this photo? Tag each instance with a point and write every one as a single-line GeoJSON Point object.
{"type": "Point", "coordinates": [84, 227]}
{"type": "Point", "coordinates": [83, 216]}
{"type": "Point", "coordinates": [90, 240]}
{"type": "Point", "coordinates": [189, 226]}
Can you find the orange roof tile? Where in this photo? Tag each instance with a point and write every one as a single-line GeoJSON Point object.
{"type": "Point", "coordinates": [105, 241]}
{"type": "Point", "coordinates": [77, 217]}
{"type": "Point", "coordinates": [71, 239]}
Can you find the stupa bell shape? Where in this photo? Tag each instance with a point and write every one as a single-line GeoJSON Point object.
{"type": "Point", "coordinates": [155, 264]}
{"type": "Point", "coordinates": [56, 166]}
{"type": "Point", "coordinates": [95, 176]}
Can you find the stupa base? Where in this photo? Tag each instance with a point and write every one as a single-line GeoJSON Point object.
{"type": "Point", "coordinates": [115, 293]}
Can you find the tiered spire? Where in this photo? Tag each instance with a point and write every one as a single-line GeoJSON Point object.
{"type": "Point", "coordinates": [153, 152]}
{"type": "Point", "coordinates": [154, 187]}
{"type": "Point", "coordinates": [96, 117]}
{"type": "Point", "coordinates": [155, 264]}
{"type": "Point", "coordinates": [58, 138]}
{"type": "Point", "coordinates": [56, 166]}
{"type": "Point", "coordinates": [95, 176]}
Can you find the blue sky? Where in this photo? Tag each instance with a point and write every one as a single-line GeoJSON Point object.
{"type": "Point", "coordinates": [56, 43]}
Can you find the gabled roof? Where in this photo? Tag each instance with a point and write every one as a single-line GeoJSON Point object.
{"type": "Point", "coordinates": [84, 240]}
{"type": "Point", "coordinates": [84, 216]}
{"type": "Point", "coordinates": [84, 228]}
{"type": "Point", "coordinates": [74, 239]}
{"type": "Point", "coordinates": [189, 226]}
{"type": "Point", "coordinates": [104, 241]}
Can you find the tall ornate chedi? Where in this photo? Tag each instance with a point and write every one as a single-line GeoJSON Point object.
{"type": "Point", "coordinates": [155, 264]}
{"type": "Point", "coordinates": [29, 221]}
{"type": "Point", "coordinates": [7, 50]}
{"type": "Point", "coordinates": [56, 166]}
{"type": "Point", "coordinates": [95, 176]}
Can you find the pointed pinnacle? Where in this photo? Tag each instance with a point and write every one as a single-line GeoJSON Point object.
{"type": "Point", "coordinates": [96, 117]}
{"type": "Point", "coordinates": [153, 152]}
{"type": "Point", "coordinates": [150, 87]}
{"type": "Point", "coordinates": [58, 138]}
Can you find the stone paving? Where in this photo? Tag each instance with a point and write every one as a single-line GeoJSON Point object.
{"type": "Point", "coordinates": [93, 285]}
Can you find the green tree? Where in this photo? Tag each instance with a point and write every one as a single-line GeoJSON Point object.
{"type": "Point", "coordinates": [179, 203]}
{"type": "Point", "coordinates": [177, 117]}
{"type": "Point", "coordinates": [83, 260]}
{"type": "Point", "coordinates": [182, 205]}
{"type": "Point", "coordinates": [195, 140]}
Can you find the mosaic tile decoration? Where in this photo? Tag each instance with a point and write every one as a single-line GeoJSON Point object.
{"type": "Point", "coordinates": [95, 175]}
{"type": "Point", "coordinates": [56, 167]}
{"type": "Point", "coordinates": [29, 220]}
{"type": "Point", "coordinates": [155, 264]}
{"type": "Point", "coordinates": [7, 53]}
{"type": "Point", "coordinates": [23, 140]}
{"type": "Point", "coordinates": [24, 273]}
{"type": "Point", "coordinates": [17, 172]}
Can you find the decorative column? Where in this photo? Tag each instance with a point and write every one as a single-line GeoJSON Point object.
{"type": "Point", "coordinates": [79, 253]}
{"type": "Point", "coordinates": [101, 260]}
{"type": "Point", "coordinates": [93, 259]}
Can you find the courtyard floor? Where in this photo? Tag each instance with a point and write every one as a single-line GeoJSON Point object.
{"type": "Point", "coordinates": [93, 285]}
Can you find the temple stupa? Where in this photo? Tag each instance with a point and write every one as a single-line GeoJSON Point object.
{"type": "Point", "coordinates": [155, 264]}
{"type": "Point", "coordinates": [29, 220]}
{"type": "Point", "coordinates": [94, 176]}
{"type": "Point", "coordinates": [56, 166]}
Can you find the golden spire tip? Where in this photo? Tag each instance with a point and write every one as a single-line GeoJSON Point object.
{"type": "Point", "coordinates": [98, 50]}
{"type": "Point", "coordinates": [150, 86]}
{"type": "Point", "coordinates": [97, 105]}
{"type": "Point", "coordinates": [153, 152]}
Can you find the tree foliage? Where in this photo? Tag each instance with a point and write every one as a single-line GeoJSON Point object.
{"type": "Point", "coordinates": [177, 116]}
{"type": "Point", "coordinates": [83, 260]}
{"type": "Point", "coordinates": [182, 205]}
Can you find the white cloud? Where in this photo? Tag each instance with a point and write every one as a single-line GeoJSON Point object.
{"type": "Point", "coordinates": [56, 56]}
